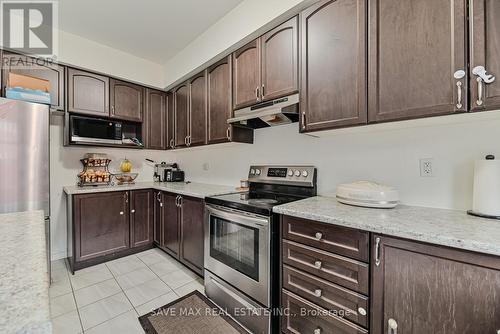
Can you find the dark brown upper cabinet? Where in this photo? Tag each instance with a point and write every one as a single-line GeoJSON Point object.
{"type": "Point", "coordinates": [219, 102]}
{"type": "Point", "coordinates": [24, 65]}
{"type": "Point", "coordinates": [127, 100]}
{"type": "Point", "coordinates": [181, 115]}
{"type": "Point", "coordinates": [246, 75]}
{"type": "Point", "coordinates": [333, 65]}
{"type": "Point", "coordinates": [266, 68]}
{"type": "Point", "coordinates": [415, 49]}
{"type": "Point", "coordinates": [428, 289]}
{"type": "Point", "coordinates": [197, 110]}
{"type": "Point", "coordinates": [141, 217]}
{"type": "Point", "coordinates": [484, 51]}
{"type": "Point", "coordinates": [88, 93]}
{"type": "Point", "coordinates": [279, 61]}
{"type": "Point", "coordinates": [156, 118]}
{"type": "Point", "coordinates": [170, 121]}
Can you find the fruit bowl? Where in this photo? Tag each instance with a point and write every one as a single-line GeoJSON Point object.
{"type": "Point", "coordinates": [125, 178]}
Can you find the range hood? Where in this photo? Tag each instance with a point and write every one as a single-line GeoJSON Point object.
{"type": "Point", "coordinates": [281, 111]}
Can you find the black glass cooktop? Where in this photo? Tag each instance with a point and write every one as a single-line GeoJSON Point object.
{"type": "Point", "coordinates": [259, 203]}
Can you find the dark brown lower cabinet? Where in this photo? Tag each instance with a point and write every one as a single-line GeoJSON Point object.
{"type": "Point", "coordinates": [192, 233]}
{"type": "Point", "coordinates": [101, 224]}
{"type": "Point", "coordinates": [170, 224]}
{"type": "Point", "coordinates": [179, 224]}
{"type": "Point", "coordinates": [109, 225]}
{"type": "Point", "coordinates": [158, 212]}
{"type": "Point", "coordinates": [141, 217]}
{"type": "Point", "coordinates": [428, 289]}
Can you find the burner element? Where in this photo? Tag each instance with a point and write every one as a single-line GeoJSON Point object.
{"type": "Point", "coordinates": [259, 201]}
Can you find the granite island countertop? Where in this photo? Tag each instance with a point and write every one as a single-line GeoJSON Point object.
{"type": "Point", "coordinates": [451, 228]}
{"type": "Point", "coordinates": [193, 189]}
{"type": "Point", "coordinates": [24, 281]}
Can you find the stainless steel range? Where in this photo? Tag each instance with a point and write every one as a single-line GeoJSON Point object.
{"type": "Point", "coordinates": [242, 244]}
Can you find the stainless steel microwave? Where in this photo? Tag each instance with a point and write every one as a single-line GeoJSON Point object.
{"type": "Point", "coordinates": [95, 130]}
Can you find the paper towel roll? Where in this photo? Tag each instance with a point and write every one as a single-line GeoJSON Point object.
{"type": "Point", "coordinates": [486, 197]}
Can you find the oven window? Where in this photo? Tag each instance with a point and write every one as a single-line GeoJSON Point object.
{"type": "Point", "coordinates": [235, 245]}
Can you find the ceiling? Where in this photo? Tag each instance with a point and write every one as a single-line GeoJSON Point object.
{"type": "Point", "coordinates": [155, 30]}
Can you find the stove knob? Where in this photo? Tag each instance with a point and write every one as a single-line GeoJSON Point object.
{"type": "Point", "coordinates": [290, 172]}
{"type": "Point", "coordinates": [252, 171]}
{"type": "Point", "coordinates": [305, 173]}
{"type": "Point", "coordinates": [297, 173]}
{"type": "Point", "coordinates": [257, 171]}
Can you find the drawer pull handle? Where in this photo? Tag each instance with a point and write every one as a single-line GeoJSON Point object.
{"type": "Point", "coordinates": [318, 264]}
{"type": "Point", "coordinates": [318, 292]}
{"type": "Point", "coordinates": [121, 213]}
{"type": "Point", "coordinates": [393, 326]}
{"type": "Point", "coordinates": [362, 311]}
{"type": "Point", "coordinates": [317, 331]}
{"type": "Point", "coordinates": [377, 252]}
{"type": "Point", "coordinates": [318, 236]}
{"type": "Point", "coordinates": [132, 211]}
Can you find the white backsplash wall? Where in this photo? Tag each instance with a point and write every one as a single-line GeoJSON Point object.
{"type": "Point", "coordinates": [386, 153]}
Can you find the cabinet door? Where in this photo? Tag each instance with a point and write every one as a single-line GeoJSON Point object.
{"type": "Point", "coordinates": [24, 65]}
{"type": "Point", "coordinates": [88, 93]}
{"type": "Point", "coordinates": [158, 216]}
{"type": "Point", "coordinates": [333, 65]}
{"type": "Point", "coordinates": [170, 126]}
{"type": "Point", "coordinates": [141, 217]}
{"type": "Point", "coordinates": [246, 75]}
{"type": "Point", "coordinates": [429, 289]}
{"type": "Point", "coordinates": [171, 224]}
{"type": "Point", "coordinates": [220, 107]}
{"type": "Point", "coordinates": [181, 113]}
{"type": "Point", "coordinates": [198, 110]}
{"type": "Point", "coordinates": [279, 61]}
{"type": "Point", "coordinates": [192, 233]}
{"type": "Point", "coordinates": [127, 100]}
{"type": "Point", "coordinates": [101, 223]}
{"type": "Point", "coordinates": [156, 119]}
{"type": "Point", "coordinates": [415, 49]}
{"type": "Point", "coordinates": [485, 51]}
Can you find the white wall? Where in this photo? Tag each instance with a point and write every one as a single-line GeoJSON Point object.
{"type": "Point", "coordinates": [64, 167]}
{"type": "Point", "coordinates": [243, 20]}
{"type": "Point", "coordinates": [387, 153]}
{"type": "Point", "coordinates": [78, 51]}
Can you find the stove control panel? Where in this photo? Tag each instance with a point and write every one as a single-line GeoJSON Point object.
{"type": "Point", "coordinates": [287, 175]}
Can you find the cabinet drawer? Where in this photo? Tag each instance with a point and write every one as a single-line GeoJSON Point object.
{"type": "Point", "coordinates": [339, 240]}
{"type": "Point", "coordinates": [305, 317]}
{"type": "Point", "coordinates": [346, 272]}
{"type": "Point", "coordinates": [327, 295]}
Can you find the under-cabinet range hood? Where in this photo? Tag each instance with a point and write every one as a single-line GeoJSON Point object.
{"type": "Point", "coordinates": [281, 111]}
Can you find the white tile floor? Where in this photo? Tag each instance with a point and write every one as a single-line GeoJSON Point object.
{"type": "Point", "coordinates": [109, 297]}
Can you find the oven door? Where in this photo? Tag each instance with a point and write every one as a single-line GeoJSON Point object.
{"type": "Point", "coordinates": [237, 250]}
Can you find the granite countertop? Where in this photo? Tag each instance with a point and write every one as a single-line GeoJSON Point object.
{"type": "Point", "coordinates": [193, 189]}
{"type": "Point", "coordinates": [24, 281]}
{"type": "Point", "coordinates": [451, 228]}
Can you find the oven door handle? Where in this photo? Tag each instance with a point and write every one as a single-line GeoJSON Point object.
{"type": "Point", "coordinates": [243, 218]}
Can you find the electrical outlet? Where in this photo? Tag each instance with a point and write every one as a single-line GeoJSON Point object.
{"type": "Point", "coordinates": [426, 169]}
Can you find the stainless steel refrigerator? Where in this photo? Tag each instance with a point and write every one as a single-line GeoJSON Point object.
{"type": "Point", "coordinates": [24, 158]}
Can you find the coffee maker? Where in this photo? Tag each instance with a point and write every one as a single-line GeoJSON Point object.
{"type": "Point", "coordinates": [167, 172]}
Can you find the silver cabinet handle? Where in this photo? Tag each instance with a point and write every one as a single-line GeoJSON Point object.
{"type": "Point", "coordinates": [112, 109]}
{"type": "Point", "coordinates": [361, 311]}
{"type": "Point", "coordinates": [479, 101]}
{"type": "Point", "coordinates": [172, 143]}
{"type": "Point", "coordinates": [393, 326]}
{"type": "Point", "coordinates": [228, 133]}
{"type": "Point", "coordinates": [257, 93]}
{"type": "Point", "coordinates": [180, 201]}
{"type": "Point", "coordinates": [318, 264]}
{"type": "Point", "coordinates": [318, 292]}
{"type": "Point", "coordinates": [459, 94]}
{"type": "Point", "coordinates": [158, 196]}
{"type": "Point", "coordinates": [377, 251]}
{"type": "Point", "coordinates": [121, 213]}
{"type": "Point", "coordinates": [317, 331]}
{"type": "Point", "coordinates": [186, 140]}
{"type": "Point", "coordinates": [132, 211]}
{"type": "Point", "coordinates": [318, 236]}
{"type": "Point", "coordinates": [262, 92]}
{"type": "Point", "coordinates": [126, 197]}
{"type": "Point", "coordinates": [303, 115]}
